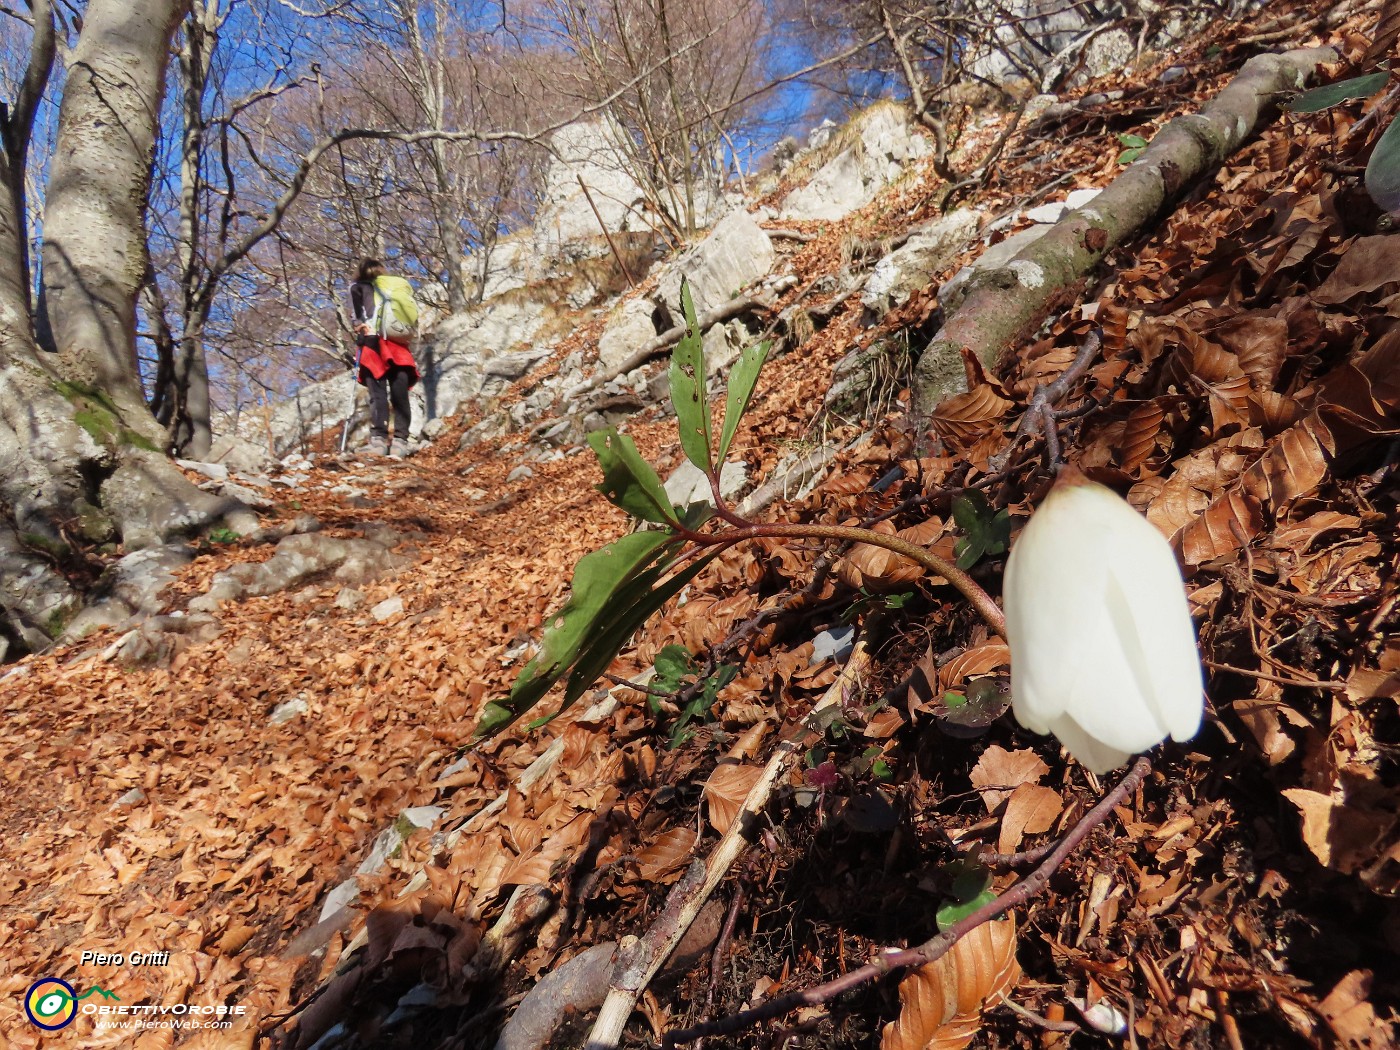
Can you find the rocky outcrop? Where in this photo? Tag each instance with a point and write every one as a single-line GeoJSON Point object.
{"type": "Point", "coordinates": [911, 267]}
{"type": "Point", "coordinates": [302, 558]}
{"type": "Point", "coordinates": [880, 145]}
{"type": "Point", "coordinates": [736, 253]}
{"type": "Point", "coordinates": [632, 324]}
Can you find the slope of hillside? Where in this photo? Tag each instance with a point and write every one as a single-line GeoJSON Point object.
{"type": "Point", "coordinates": [167, 799]}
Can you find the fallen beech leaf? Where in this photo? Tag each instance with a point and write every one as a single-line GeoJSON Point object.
{"type": "Point", "coordinates": [962, 419]}
{"type": "Point", "coordinates": [941, 1003]}
{"type": "Point", "coordinates": [235, 937]}
{"type": "Point", "coordinates": [663, 860]}
{"type": "Point", "coordinates": [1342, 836]}
{"type": "Point", "coordinates": [1368, 264]}
{"type": "Point", "coordinates": [999, 772]}
{"type": "Point", "coordinates": [982, 659]}
{"type": "Point", "coordinates": [881, 571]}
{"type": "Point", "coordinates": [1141, 431]}
{"type": "Point", "coordinates": [1223, 528]}
{"type": "Point", "coordinates": [1351, 1017]}
{"type": "Point", "coordinates": [1294, 464]}
{"type": "Point", "coordinates": [726, 790]}
{"type": "Point", "coordinates": [1030, 810]}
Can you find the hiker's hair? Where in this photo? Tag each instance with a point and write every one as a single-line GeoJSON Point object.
{"type": "Point", "coordinates": [370, 269]}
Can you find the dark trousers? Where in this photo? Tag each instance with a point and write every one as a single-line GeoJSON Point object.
{"type": "Point", "coordinates": [391, 390]}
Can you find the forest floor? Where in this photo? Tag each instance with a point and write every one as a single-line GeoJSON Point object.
{"type": "Point", "coordinates": [1246, 400]}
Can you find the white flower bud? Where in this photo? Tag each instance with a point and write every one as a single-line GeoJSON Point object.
{"type": "Point", "coordinates": [1103, 652]}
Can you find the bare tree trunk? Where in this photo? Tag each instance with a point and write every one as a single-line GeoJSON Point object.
{"type": "Point", "coordinates": [190, 428]}
{"type": "Point", "coordinates": [94, 219]}
{"type": "Point", "coordinates": [78, 454]}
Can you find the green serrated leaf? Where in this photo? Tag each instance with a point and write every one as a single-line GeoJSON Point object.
{"type": "Point", "coordinates": [881, 770]}
{"type": "Point", "coordinates": [1132, 141]}
{"type": "Point", "coordinates": [1329, 95]}
{"type": "Point", "coordinates": [967, 551]}
{"type": "Point", "coordinates": [742, 379]}
{"type": "Point", "coordinates": [724, 674]}
{"type": "Point", "coordinates": [987, 533]}
{"type": "Point", "coordinates": [972, 888]}
{"type": "Point", "coordinates": [629, 481]}
{"type": "Point", "coordinates": [688, 388]}
{"type": "Point", "coordinates": [969, 510]}
{"type": "Point", "coordinates": [951, 913]}
{"type": "Point", "coordinates": [952, 700]}
{"type": "Point", "coordinates": [999, 537]}
{"type": "Point", "coordinates": [1383, 170]}
{"type": "Point", "coordinates": [1130, 155]}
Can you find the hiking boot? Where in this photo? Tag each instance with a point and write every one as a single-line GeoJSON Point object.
{"type": "Point", "coordinates": [398, 449]}
{"type": "Point", "coordinates": [375, 446]}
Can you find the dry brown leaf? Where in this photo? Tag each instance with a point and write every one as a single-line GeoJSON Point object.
{"type": "Point", "coordinates": [941, 1003]}
{"type": "Point", "coordinates": [879, 570]}
{"type": "Point", "coordinates": [663, 860]}
{"type": "Point", "coordinates": [982, 659]}
{"type": "Point", "coordinates": [1369, 264]}
{"type": "Point", "coordinates": [1293, 465]}
{"type": "Point", "coordinates": [1342, 835]}
{"type": "Point", "coordinates": [1030, 810]}
{"type": "Point", "coordinates": [964, 418]}
{"type": "Point", "coordinates": [726, 790]}
{"type": "Point", "coordinates": [1272, 412]}
{"type": "Point", "coordinates": [1223, 528]}
{"type": "Point", "coordinates": [1113, 321]}
{"type": "Point", "coordinates": [1139, 439]}
{"type": "Point", "coordinates": [1198, 480]}
{"type": "Point", "coordinates": [999, 772]}
{"type": "Point", "coordinates": [1259, 343]}
{"type": "Point", "coordinates": [1349, 1014]}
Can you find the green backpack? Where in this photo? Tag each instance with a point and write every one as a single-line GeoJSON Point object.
{"type": "Point", "coordinates": [396, 308]}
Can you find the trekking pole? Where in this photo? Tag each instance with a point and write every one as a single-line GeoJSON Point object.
{"type": "Point", "coordinates": [356, 305]}
{"type": "Point", "coordinates": [350, 408]}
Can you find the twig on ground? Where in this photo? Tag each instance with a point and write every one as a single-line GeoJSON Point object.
{"type": "Point", "coordinates": [1041, 415]}
{"type": "Point", "coordinates": [792, 235]}
{"type": "Point", "coordinates": [936, 947]}
{"type": "Point", "coordinates": [1039, 1021]}
{"type": "Point", "coordinates": [993, 859]}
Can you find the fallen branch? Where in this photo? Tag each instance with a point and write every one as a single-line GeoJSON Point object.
{"type": "Point", "coordinates": [1005, 305]}
{"type": "Point", "coordinates": [791, 235]}
{"type": "Point", "coordinates": [643, 958]}
{"type": "Point", "coordinates": [891, 959]}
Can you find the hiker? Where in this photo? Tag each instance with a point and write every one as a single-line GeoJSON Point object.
{"type": "Point", "coordinates": [386, 319]}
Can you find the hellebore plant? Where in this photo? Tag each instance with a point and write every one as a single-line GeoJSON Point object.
{"type": "Point", "coordinates": [616, 589]}
{"type": "Point", "coordinates": [1103, 653]}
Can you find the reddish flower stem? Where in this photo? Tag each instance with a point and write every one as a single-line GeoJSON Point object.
{"type": "Point", "coordinates": [970, 588]}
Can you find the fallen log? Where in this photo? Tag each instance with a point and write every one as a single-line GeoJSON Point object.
{"type": "Point", "coordinates": [1007, 304]}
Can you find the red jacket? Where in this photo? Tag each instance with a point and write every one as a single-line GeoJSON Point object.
{"type": "Point", "coordinates": [376, 362]}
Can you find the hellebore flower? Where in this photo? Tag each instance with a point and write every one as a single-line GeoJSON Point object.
{"type": "Point", "coordinates": [1103, 653]}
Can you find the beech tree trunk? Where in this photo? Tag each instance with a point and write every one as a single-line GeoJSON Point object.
{"type": "Point", "coordinates": [81, 457]}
